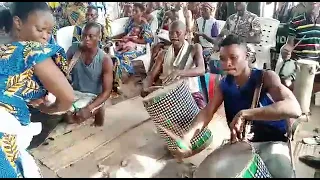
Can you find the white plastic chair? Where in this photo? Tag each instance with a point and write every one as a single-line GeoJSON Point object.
{"type": "Point", "coordinates": [118, 25]}
{"type": "Point", "coordinates": [117, 28]}
{"type": "Point", "coordinates": [154, 24]}
{"type": "Point", "coordinates": [269, 28]}
{"type": "Point", "coordinates": [64, 37]}
{"type": "Point", "coordinates": [220, 24]}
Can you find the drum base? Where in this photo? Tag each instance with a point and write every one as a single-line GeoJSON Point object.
{"type": "Point", "coordinates": [194, 152]}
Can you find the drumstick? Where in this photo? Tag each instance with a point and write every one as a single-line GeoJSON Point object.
{"type": "Point", "coordinates": [299, 41]}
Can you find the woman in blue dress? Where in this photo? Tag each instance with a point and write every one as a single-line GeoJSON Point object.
{"type": "Point", "coordinates": [30, 67]}
{"type": "Point", "coordinates": [123, 60]}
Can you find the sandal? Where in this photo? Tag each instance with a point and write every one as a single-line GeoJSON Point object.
{"type": "Point", "coordinates": [311, 161]}
{"type": "Point", "coordinates": [315, 140]}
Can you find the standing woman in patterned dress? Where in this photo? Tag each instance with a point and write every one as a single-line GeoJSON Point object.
{"type": "Point", "coordinates": [29, 68]}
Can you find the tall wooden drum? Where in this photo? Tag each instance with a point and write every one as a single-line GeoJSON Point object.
{"type": "Point", "coordinates": [174, 108]}
{"type": "Point", "coordinates": [303, 84]}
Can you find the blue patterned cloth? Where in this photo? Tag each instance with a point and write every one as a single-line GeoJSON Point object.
{"type": "Point", "coordinates": [18, 86]}
{"type": "Point", "coordinates": [123, 60]}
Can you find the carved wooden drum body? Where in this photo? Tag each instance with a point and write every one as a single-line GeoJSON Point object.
{"type": "Point", "coordinates": [233, 161]}
{"type": "Point", "coordinates": [174, 108]}
{"type": "Point", "coordinates": [303, 85]}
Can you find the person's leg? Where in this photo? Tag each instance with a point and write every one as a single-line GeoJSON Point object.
{"type": "Point", "coordinates": [276, 156]}
{"type": "Point", "coordinates": [99, 116]}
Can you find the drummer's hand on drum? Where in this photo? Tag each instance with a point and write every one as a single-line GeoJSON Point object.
{"type": "Point", "coordinates": [83, 114]}
{"type": "Point", "coordinates": [237, 127]}
{"type": "Point", "coordinates": [172, 77]}
{"type": "Point", "coordinates": [286, 51]}
{"type": "Point", "coordinates": [179, 154]}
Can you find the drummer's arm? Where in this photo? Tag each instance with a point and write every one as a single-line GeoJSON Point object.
{"type": "Point", "coordinates": [107, 81]}
{"type": "Point", "coordinates": [199, 70]}
{"type": "Point", "coordinates": [155, 71]}
{"type": "Point", "coordinates": [206, 114]}
{"type": "Point", "coordinates": [285, 104]}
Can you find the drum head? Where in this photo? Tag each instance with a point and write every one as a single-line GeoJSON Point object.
{"type": "Point", "coordinates": [307, 62]}
{"type": "Point", "coordinates": [163, 91]}
{"type": "Point", "coordinates": [226, 162]}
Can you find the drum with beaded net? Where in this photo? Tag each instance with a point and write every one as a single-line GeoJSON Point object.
{"type": "Point", "coordinates": [174, 108]}
{"type": "Point", "coordinates": [237, 160]}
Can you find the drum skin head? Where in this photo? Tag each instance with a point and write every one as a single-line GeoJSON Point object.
{"type": "Point", "coordinates": [225, 162]}
{"type": "Point", "coordinates": [164, 90]}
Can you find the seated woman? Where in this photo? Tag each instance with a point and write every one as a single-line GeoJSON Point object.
{"type": "Point", "coordinates": [29, 68]}
{"type": "Point", "coordinates": [122, 60]}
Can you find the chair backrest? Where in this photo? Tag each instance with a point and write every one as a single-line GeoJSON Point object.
{"type": "Point", "coordinates": [221, 24]}
{"type": "Point", "coordinates": [154, 23]}
{"type": "Point", "coordinates": [118, 26]}
{"type": "Point", "coordinates": [64, 37]}
{"type": "Point", "coordinates": [269, 28]}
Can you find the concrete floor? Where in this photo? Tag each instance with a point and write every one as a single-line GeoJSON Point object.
{"type": "Point", "coordinates": [128, 146]}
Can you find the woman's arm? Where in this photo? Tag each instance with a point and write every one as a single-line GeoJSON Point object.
{"type": "Point", "coordinates": [56, 83]}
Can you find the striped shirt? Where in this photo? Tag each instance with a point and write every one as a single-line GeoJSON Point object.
{"type": "Point", "coordinates": [309, 47]}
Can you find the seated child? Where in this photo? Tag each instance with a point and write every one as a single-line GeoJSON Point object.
{"type": "Point", "coordinates": [126, 44]}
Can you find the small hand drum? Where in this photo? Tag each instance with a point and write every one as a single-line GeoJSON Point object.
{"type": "Point", "coordinates": [174, 108]}
{"type": "Point", "coordinates": [233, 161]}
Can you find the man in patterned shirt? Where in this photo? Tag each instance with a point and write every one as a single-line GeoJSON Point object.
{"type": "Point", "coordinates": [243, 23]}
{"type": "Point", "coordinates": [305, 25]}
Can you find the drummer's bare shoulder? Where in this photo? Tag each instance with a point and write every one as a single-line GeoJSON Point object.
{"type": "Point", "coordinates": [197, 53]}
{"type": "Point", "coordinates": [196, 48]}
{"type": "Point", "coordinates": [276, 89]}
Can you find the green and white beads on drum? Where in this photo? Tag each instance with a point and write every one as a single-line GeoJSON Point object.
{"type": "Point", "coordinates": [255, 169]}
{"type": "Point", "coordinates": [174, 109]}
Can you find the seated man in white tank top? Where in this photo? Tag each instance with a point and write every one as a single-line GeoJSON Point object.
{"type": "Point", "coordinates": [206, 32]}
{"type": "Point", "coordinates": [167, 62]}
{"type": "Point", "coordinates": [92, 77]}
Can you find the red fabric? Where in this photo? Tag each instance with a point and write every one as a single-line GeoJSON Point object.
{"type": "Point", "coordinates": [212, 81]}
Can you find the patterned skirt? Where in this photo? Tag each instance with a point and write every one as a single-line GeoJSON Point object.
{"type": "Point", "coordinates": [122, 63]}
{"type": "Point", "coordinates": [10, 158]}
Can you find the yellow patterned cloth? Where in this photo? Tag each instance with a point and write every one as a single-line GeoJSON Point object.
{"type": "Point", "coordinates": [76, 13]}
{"type": "Point", "coordinates": [18, 86]}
